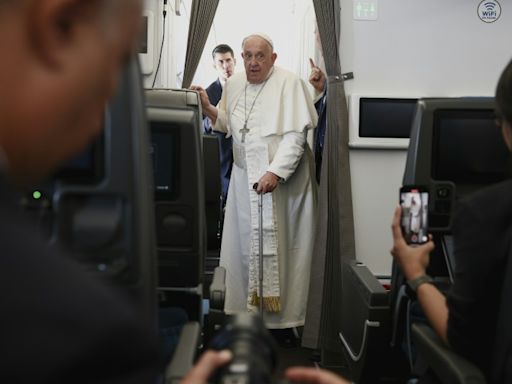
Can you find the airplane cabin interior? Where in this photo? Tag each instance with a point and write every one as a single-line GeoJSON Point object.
{"type": "Point", "coordinates": [142, 206]}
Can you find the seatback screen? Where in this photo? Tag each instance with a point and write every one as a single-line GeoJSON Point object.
{"type": "Point", "coordinates": [468, 147]}
{"type": "Point", "coordinates": [164, 153]}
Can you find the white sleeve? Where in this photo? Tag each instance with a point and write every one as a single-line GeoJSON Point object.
{"type": "Point", "coordinates": [221, 124]}
{"type": "Point", "coordinates": [288, 155]}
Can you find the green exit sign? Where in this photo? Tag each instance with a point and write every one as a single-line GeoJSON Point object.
{"type": "Point", "coordinates": [366, 10]}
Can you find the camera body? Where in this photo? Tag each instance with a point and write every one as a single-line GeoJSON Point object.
{"type": "Point", "coordinates": [254, 351]}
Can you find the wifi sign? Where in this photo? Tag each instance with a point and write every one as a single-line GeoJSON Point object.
{"type": "Point", "coordinates": [489, 11]}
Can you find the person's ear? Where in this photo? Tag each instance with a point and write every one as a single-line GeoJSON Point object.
{"type": "Point", "coordinates": [56, 26]}
{"type": "Point", "coordinates": [506, 131]}
{"type": "Point", "coordinates": [274, 57]}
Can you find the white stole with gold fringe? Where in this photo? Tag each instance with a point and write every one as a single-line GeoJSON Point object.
{"type": "Point", "coordinates": [257, 160]}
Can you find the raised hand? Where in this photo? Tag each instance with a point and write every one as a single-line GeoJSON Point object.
{"type": "Point", "coordinates": [317, 76]}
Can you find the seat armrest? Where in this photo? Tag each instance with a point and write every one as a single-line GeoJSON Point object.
{"type": "Point", "coordinates": [448, 366]}
{"type": "Point", "coordinates": [218, 289]}
{"type": "Point", "coordinates": [184, 354]}
{"type": "Point", "coordinates": [364, 333]}
{"type": "Point", "coordinates": [216, 316]}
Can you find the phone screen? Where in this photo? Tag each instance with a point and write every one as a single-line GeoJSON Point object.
{"type": "Point", "coordinates": [414, 222]}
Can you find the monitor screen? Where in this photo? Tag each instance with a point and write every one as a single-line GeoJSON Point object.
{"type": "Point", "coordinates": [480, 158]}
{"type": "Point", "coordinates": [386, 117]}
{"type": "Point", "coordinates": [165, 156]}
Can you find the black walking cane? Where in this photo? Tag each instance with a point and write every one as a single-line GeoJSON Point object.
{"type": "Point", "coordinates": [260, 235]}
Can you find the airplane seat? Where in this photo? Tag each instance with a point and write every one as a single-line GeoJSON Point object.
{"type": "Point", "coordinates": [364, 333]}
{"type": "Point", "coordinates": [176, 148]}
{"type": "Point", "coordinates": [455, 149]}
{"type": "Point", "coordinates": [98, 206]}
{"type": "Point", "coordinates": [447, 136]}
{"type": "Point", "coordinates": [179, 158]}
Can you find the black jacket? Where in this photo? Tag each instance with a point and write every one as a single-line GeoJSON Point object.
{"type": "Point", "coordinates": [482, 238]}
{"type": "Point", "coordinates": [214, 92]}
{"type": "Point", "coordinates": [58, 324]}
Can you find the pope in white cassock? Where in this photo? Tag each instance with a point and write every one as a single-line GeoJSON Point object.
{"type": "Point", "coordinates": [268, 112]}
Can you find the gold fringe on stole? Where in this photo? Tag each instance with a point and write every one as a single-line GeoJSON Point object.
{"type": "Point", "coordinates": [270, 304]}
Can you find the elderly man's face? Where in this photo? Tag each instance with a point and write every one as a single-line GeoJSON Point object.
{"type": "Point", "coordinates": [258, 59]}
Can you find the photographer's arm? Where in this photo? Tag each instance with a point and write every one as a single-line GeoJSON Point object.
{"type": "Point", "coordinates": [413, 262]}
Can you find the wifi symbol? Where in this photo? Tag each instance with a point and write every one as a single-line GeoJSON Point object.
{"type": "Point", "coordinates": [489, 11]}
{"type": "Point", "coordinates": [489, 6]}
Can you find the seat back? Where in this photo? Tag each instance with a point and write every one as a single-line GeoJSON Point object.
{"type": "Point", "coordinates": [455, 149]}
{"type": "Point", "coordinates": [99, 206]}
{"type": "Point", "coordinates": [176, 145]}
{"type": "Point", "coordinates": [175, 124]}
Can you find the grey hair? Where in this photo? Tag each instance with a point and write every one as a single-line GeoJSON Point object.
{"type": "Point", "coordinates": [263, 36]}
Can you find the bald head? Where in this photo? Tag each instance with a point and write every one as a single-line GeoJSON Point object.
{"type": "Point", "coordinates": [263, 36]}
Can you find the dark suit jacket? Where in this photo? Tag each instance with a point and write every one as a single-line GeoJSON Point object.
{"type": "Point", "coordinates": [214, 91]}
{"type": "Point", "coordinates": [321, 109]}
{"type": "Point", "coordinates": [58, 324]}
{"type": "Point", "coordinates": [481, 232]}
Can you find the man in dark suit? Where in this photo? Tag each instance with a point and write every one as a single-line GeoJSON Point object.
{"type": "Point", "coordinates": [224, 62]}
{"type": "Point", "coordinates": [467, 318]}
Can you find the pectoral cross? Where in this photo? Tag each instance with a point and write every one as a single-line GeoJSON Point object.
{"type": "Point", "coordinates": [243, 131]}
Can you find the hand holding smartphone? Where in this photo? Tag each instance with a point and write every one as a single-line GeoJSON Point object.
{"type": "Point", "coordinates": [414, 220]}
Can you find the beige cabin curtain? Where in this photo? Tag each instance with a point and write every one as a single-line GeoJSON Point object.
{"type": "Point", "coordinates": [334, 240]}
{"type": "Point", "coordinates": [201, 19]}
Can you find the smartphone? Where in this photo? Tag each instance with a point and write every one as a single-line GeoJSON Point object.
{"type": "Point", "coordinates": [414, 220]}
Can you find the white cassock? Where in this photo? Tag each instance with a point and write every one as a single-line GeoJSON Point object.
{"type": "Point", "coordinates": [278, 114]}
